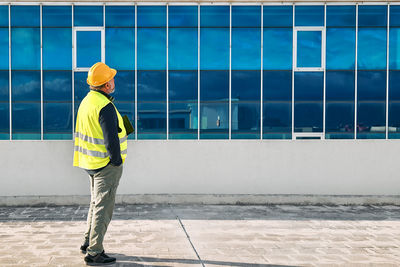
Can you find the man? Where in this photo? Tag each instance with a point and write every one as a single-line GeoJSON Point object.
{"type": "Point", "coordinates": [100, 149]}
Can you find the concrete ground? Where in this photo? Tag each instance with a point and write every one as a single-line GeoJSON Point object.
{"type": "Point", "coordinates": [205, 235]}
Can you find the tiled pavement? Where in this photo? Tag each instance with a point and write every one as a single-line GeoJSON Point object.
{"type": "Point", "coordinates": [214, 235]}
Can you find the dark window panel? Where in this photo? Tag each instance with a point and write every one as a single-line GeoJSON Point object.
{"type": "Point", "coordinates": [88, 15]}
{"type": "Point", "coordinates": [151, 49]}
{"type": "Point", "coordinates": [309, 49]}
{"type": "Point", "coordinates": [277, 117]}
{"type": "Point", "coordinates": [372, 15]}
{"type": "Point", "coordinates": [308, 86]}
{"type": "Point", "coordinates": [151, 86]}
{"type": "Point", "coordinates": [4, 16]}
{"type": "Point", "coordinates": [394, 49]}
{"type": "Point", "coordinates": [341, 16]}
{"type": "Point", "coordinates": [277, 85]}
{"type": "Point", "coordinates": [183, 86]}
{"type": "Point", "coordinates": [57, 86]}
{"type": "Point", "coordinates": [371, 48]}
{"type": "Point", "coordinates": [214, 49]}
{"type": "Point", "coordinates": [309, 15]}
{"type": "Point", "coordinates": [25, 85]}
{"type": "Point", "coordinates": [339, 117]}
{"type": "Point", "coordinates": [394, 119]}
{"type": "Point", "coordinates": [120, 48]}
{"type": "Point", "coordinates": [182, 48]}
{"type": "Point", "coordinates": [339, 136]}
{"type": "Point", "coordinates": [88, 50]}
{"type": "Point", "coordinates": [4, 51]}
{"type": "Point", "coordinates": [340, 85]}
{"type": "Point", "coordinates": [57, 118]}
{"type": "Point", "coordinates": [57, 49]}
{"type": "Point", "coordinates": [277, 48]}
{"type": "Point", "coordinates": [214, 16]}
{"type": "Point", "coordinates": [81, 88]}
{"type": "Point", "coordinates": [5, 120]}
{"type": "Point", "coordinates": [278, 16]}
{"type": "Point", "coordinates": [183, 118]}
{"type": "Point", "coordinates": [124, 86]}
{"type": "Point", "coordinates": [25, 50]}
{"type": "Point", "coordinates": [214, 121]}
{"type": "Point", "coordinates": [26, 118]}
{"type": "Point", "coordinates": [151, 120]}
{"type": "Point", "coordinates": [246, 49]}
{"type": "Point", "coordinates": [120, 16]}
{"type": "Point", "coordinates": [182, 16]}
{"type": "Point", "coordinates": [57, 16]}
{"type": "Point", "coordinates": [394, 85]}
{"type": "Point", "coordinates": [308, 117]}
{"type": "Point", "coordinates": [340, 48]}
{"type": "Point", "coordinates": [245, 120]}
{"type": "Point", "coordinates": [371, 85]}
{"type": "Point", "coordinates": [246, 85]}
{"type": "Point", "coordinates": [4, 86]}
{"type": "Point", "coordinates": [394, 15]}
{"type": "Point", "coordinates": [371, 118]}
{"type": "Point", "coordinates": [128, 109]}
{"type": "Point", "coordinates": [25, 16]}
{"type": "Point", "coordinates": [214, 85]}
{"type": "Point", "coordinates": [151, 16]}
{"type": "Point", "coordinates": [246, 16]}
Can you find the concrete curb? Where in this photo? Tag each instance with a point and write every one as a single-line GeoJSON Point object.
{"type": "Point", "coordinates": [208, 199]}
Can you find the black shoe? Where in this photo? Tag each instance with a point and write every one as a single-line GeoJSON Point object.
{"type": "Point", "coordinates": [99, 259]}
{"type": "Point", "coordinates": [83, 248]}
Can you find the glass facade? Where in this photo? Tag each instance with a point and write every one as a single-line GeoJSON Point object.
{"type": "Point", "coordinates": [205, 71]}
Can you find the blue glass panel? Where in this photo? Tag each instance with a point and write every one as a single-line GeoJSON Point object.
{"type": "Point", "coordinates": [4, 16]}
{"type": "Point", "coordinates": [277, 49]}
{"type": "Point", "coordinates": [371, 85]}
{"type": "Point", "coordinates": [26, 118]}
{"type": "Point", "coordinates": [152, 86]}
{"type": "Point", "coordinates": [5, 119]}
{"type": "Point", "coordinates": [246, 85]}
{"type": "Point", "coordinates": [57, 16]}
{"type": "Point", "coordinates": [340, 48]}
{"type": "Point", "coordinates": [394, 49]}
{"type": "Point", "coordinates": [341, 16]}
{"type": "Point", "coordinates": [214, 85]}
{"type": "Point", "coordinates": [214, 120]}
{"type": "Point", "coordinates": [394, 117]}
{"type": "Point", "coordinates": [246, 49]}
{"type": "Point", "coordinates": [371, 48]}
{"type": "Point", "coordinates": [340, 85]}
{"type": "Point", "coordinates": [277, 117]}
{"type": "Point", "coordinates": [25, 85]}
{"type": "Point", "coordinates": [277, 85]}
{"type": "Point", "coordinates": [308, 86]}
{"type": "Point", "coordinates": [245, 120]}
{"type": "Point", "coordinates": [81, 88]}
{"type": "Point", "coordinates": [371, 117]}
{"type": "Point", "coordinates": [394, 85]}
{"type": "Point", "coordinates": [151, 49]}
{"type": "Point", "coordinates": [151, 16]}
{"type": "Point", "coordinates": [214, 49]}
{"type": "Point", "coordinates": [25, 16]}
{"type": "Point", "coordinates": [246, 16]}
{"type": "Point", "coordinates": [126, 108]}
{"type": "Point", "coordinates": [152, 118]}
{"type": "Point", "coordinates": [124, 86]}
{"type": "Point", "coordinates": [309, 15]}
{"type": "Point", "coordinates": [394, 15]}
{"type": "Point", "coordinates": [57, 49]}
{"type": "Point", "coordinates": [183, 117]}
{"type": "Point", "coordinates": [339, 117]}
{"type": "Point", "coordinates": [88, 15]}
{"type": "Point", "coordinates": [57, 86]}
{"type": "Point", "coordinates": [4, 86]}
{"type": "Point", "coordinates": [309, 49]}
{"type": "Point", "coordinates": [308, 117]}
{"type": "Point", "coordinates": [278, 16]}
{"type": "Point", "coordinates": [182, 16]}
{"type": "Point", "coordinates": [4, 49]}
{"type": "Point", "coordinates": [214, 16]}
{"type": "Point", "coordinates": [120, 48]}
{"type": "Point", "coordinates": [372, 15]}
{"type": "Point", "coordinates": [25, 50]}
{"type": "Point", "coordinates": [182, 48]}
{"type": "Point", "coordinates": [120, 16]}
{"type": "Point", "coordinates": [88, 48]}
{"type": "Point", "coordinates": [182, 86]}
{"type": "Point", "coordinates": [57, 117]}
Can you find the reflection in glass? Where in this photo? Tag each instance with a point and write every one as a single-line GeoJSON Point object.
{"type": "Point", "coordinates": [245, 120]}
{"type": "Point", "coordinates": [151, 16]}
{"type": "Point", "coordinates": [57, 50]}
{"type": "Point", "coordinates": [339, 117]}
{"type": "Point", "coordinates": [151, 86]}
{"type": "Point", "coordinates": [183, 120]}
{"type": "Point", "coordinates": [214, 49]}
{"type": "Point", "coordinates": [124, 86]}
{"type": "Point", "coordinates": [25, 86]}
{"type": "Point", "coordinates": [394, 120]}
{"type": "Point", "coordinates": [371, 120]}
{"type": "Point", "coordinates": [4, 86]}
{"type": "Point", "coordinates": [394, 86]}
{"type": "Point", "coordinates": [308, 86]}
{"type": "Point", "coordinates": [308, 117]}
{"type": "Point", "coordinates": [278, 16]}
{"type": "Point", "coordinates": [214, 85]}
{"type": "Point", "coordinates": [182, 16]}
{"type": "Point", "coordinates": [371, 85]}
{"type": "Point", "coordinates": [57, 118]}
{"type": "Point", "coordinates": [120, 16]}
{"type": "Point", "coordinates": [277, 117]}
{"type": "Point", "coordinates": [57, 16]}
{"type": "Point", "coordinates": [394, 16]}
{"type": "Point", "coordinates": [277, 85]}
{"type": "Point", "coordinates": [309, 15]}
{"type": "Point", "coordinates": [182, 86]}
{"type": "Point", "coordinates": [214, 120]}
{"type": "Point", "coordinates": [340, 48]}
{"type": "Point", "coordinates": [277, 48]}
{"type": "Point", "coordinates": [246, 16]}
{"type": "Point", "coordinates": [120, 48]}
{"type": "Point", "coordinates": [394, 49]}
{"type": "Point", "coordinates": [246, 86]}
{"type": "Point", "coordinates": [340, 16]}
{"type": "Point", "coordinates": [309, 49]}
{"type": "Point", "coordinates": [57, 86]}
{"type": "Point", "coordinates": [152, 120]}
{"type": "Point", "coordinates": [5, 121]}
{"type": "Point", "coordinates": [25, 48]}
{"type": "Point", "coordinates": [25, 16]}
{"type": "Point", "coordinates": [340, 85]}
{"type": "Point", "coordinates": [246, 45]}
{"type": "Point", "coordinates": [88, 50]}
{"type": "Point", "coordinates": [372, 15]}
{"type": "Point", "coordinates": [4, 49]}
{"type": "Point", "coordinates": [182, 48]}
{"type": "Point", "coordinates": [88, 15]}
{"type": "Point", "coordinates": [4, 16]}
{"type": "Point", "coordinates": [127, 108]}
{"type": "Point", "coordinates": [81, 88]}
{"type": "Point", "coordinates": [151, 48]}
{"type": "Point", "coordinates": [214, 16]}
{"type": "Point", "coordinates": [371, 48]}
{"type": "Point", "coordinates": [26, 119]}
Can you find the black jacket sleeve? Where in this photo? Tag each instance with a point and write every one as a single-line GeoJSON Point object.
{"type": "Point", "coordinates": [109, 124]}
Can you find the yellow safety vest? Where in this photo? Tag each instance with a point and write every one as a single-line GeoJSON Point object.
{"type": "Point", "coordinates": [89, 151]}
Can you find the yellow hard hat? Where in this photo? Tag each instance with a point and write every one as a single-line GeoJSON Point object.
{"type": "Point", "coordinates": [99, 74]}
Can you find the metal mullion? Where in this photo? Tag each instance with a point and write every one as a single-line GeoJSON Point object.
{"type": "Point", "coordinates": [230, 74]}
{"type": "Point", "coordinates": [167, 74]}
{"type": "Point", "coordinates": [136, 112]}
{"type": "Point", "coordinates": [73, 72]}
{"type": "Point", "coordinates": [356, 77]}
{"type": "Point", "coordinates": [261, 75]}
{"type": "Point", "coordinates": [294, 55]}
{"type": "Point", "coordinates": [387, 72]}
{"type": "Point", "coordinates": [323, 63]}
{"type": "Point", "coordinates": [41, 74]}
{"type": "Point", "coordinates": [9, 70]}
{"type": "Point", "coordinates": [198, 72]}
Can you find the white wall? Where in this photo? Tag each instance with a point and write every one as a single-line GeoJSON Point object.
{"type": "Point", "coordinates": [341, 167]}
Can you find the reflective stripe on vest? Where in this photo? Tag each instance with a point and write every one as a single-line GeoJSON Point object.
{"type": "Point", "coordinates": [91, 152]}
{"type": "Point", "coordinates": [97, 141]}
